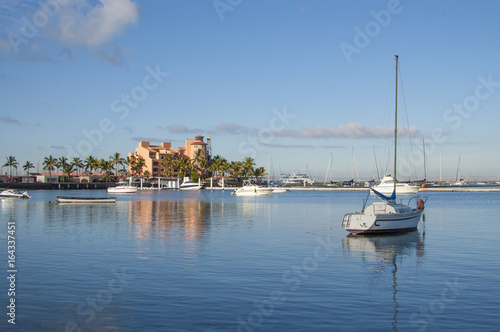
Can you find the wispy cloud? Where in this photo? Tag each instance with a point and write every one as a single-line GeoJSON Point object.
{"type": "Point", "coordinates": [115, 56]}
{"type": "Point", "coordinates": [303, 146]}
{"type": "Point", "coordinates": [180, 129]}
{"type": "Point", "coordinates": [8, 119]}
{"type": "Point", "coordinates": [151, 139]}
{"type": "Point", "coordinates": [58, 147]}
{"type": "Point", "coordinates": [348, 131]}
{"type": "Point", "coordinates": [233, 129]}
{"type": "Point", "coordinates": [351, 130]}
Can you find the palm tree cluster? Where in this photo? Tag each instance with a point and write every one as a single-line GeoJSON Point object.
{"type": "Point", "coordinates": [67, 167]}
{"type": "Point", "coordinates": [172, 166]}
{"type": "Point", "coordinates": [199, 167]}
{"type": "Point", "coordinates": [236, 169]}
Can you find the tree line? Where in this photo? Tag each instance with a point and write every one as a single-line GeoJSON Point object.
{"type": "Point", "coordinates": [172, 165]}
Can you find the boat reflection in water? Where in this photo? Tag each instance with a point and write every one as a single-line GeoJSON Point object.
{"type": "Point", "coordinates": [382, 255]}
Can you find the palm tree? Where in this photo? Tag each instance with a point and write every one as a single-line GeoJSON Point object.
{"type": "Point", "coordinates": [168, 164]}
{"type": "Point", "coordinates": [11, 162]}
{"type": "Point", "coordinates": [106, 166]}
{"type": "Point", "coordinates": [223, 166]}
{"type": "Point", "coordinates": [259, 172]}
{"type": "Point", "coordinates": [130, 162]}
{"type": "Point", "coordinates": [117, 160]}
{"type": "Point", "coordinates": [139, 165]}
{"type": "Point", "coordinates": [62, 162]}
{"type": "Point", "coordinates": [247, 167]}
{"type": "Point", "coordinates": [183, 166]}
{"type": "Point", "coordinates": [27, 166]}
{"type": "Point", "coordinates": [235, 169]}
{"type": "Point", "coordinates": [200, 162]}
{"type": "Point", "coordinates": [88, 164]}
{"type": "Point", "coordinates": [77, 163]}
{"type": "Point", "coordinates": [67, 168]}
{"type": "Point", "coordinates": [215, 164]}
{"type": "Point", "coordinates": [48, 164]}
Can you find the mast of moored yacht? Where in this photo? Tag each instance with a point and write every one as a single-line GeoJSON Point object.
{"type": "Point", "coordinates": [396, 125]}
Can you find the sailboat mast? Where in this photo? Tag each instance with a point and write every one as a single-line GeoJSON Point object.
{"type": "Point", "coordinates": [425, 164]}
{"type": "Point", "coordinates": [396, 125]}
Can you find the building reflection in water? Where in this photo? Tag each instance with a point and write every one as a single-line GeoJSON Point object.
{"type": "Point", "coordinates": [169, 223]}
{"type": "Point", "coordinates": [382, 253]}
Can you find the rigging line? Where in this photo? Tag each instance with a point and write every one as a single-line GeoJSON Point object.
{"type": "Point", "coordinates": [382, 143]}
{"type": "Point", "coordinates": [412, 155]}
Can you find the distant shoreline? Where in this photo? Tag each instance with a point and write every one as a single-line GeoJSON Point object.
{"type": "Point", "coordinates": [149, 186]}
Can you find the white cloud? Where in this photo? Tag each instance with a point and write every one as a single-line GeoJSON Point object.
{"type": "Point", "coordinates": [81, 24]}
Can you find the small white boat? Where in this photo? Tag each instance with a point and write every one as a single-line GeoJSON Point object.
{"type": "Point", "coordinates": [386, 187]}
{"type": "Point", "coordinates": [13, 194]}
{"type": "Point", "coordinates": [277, 190]}
{"type": "Point", "coordinates": [250, 189]}
{"type": "Point", "coordinates": [187, 184]}
{"type": "Point", "coordinates": [76, 199]}
{"type": "Point", "coordinates": [122, 189]}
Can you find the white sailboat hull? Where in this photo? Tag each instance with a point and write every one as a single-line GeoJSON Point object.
{"type": "Point", "coordinates": [383, 218]}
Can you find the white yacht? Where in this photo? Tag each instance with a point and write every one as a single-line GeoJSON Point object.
{"type": "Point", "coordinates": [123, 188]}
{"type": "Point", "coordinates": [13, 194]}
{"type": "Point", "coordinates": [386, 186]}
{"type": "Point", "coordinates": [250, 189]}
{"type": "Point", "coordinates": [298, 179]}
{"type": "Point", "coordinates": [187, 184]}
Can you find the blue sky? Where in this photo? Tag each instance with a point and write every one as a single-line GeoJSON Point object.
{"type": "Point", "coordinates": [292, 80]}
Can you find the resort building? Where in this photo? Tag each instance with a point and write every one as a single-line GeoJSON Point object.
{"type": "Point", "coordinates": [153, 155]}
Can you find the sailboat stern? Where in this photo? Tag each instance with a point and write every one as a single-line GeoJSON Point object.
{"type": "Point", "coordinates": [357, 223]}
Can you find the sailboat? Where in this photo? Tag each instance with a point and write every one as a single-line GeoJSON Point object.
{"type": "Point", "coordinates": [386, 216]}
{"type": "Point", "coordinates": [458, 180]}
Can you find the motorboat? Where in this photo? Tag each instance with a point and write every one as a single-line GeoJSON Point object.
{"type": "Point", "coordinates": [298, 179]}
{"type": "Point", "coordinates": [386, 216]}
{"type": "Point", "coordinates": [277, 190]}
{"type": "Point", "coordinates": [14, 194]}
{"type": "Point", "coordinates": [123, 189]}
{"type": "Point", "coordinates": [188, 184]}
{"type": "Point", "coordinates": [250, 189]}
{"type": "Point", "coordinates": [386, 187]}
{"type": "Point", "coordinates": [78, 199]}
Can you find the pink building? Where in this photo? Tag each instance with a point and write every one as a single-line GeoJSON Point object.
{"type": "Point", "coordinates": [153, 155]}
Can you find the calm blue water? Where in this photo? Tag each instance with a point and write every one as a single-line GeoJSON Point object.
{"type": "Point", "coordinates": [208, 261]}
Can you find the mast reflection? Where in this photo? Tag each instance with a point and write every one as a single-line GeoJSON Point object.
{"type": "Point", "coordinates": [382, 253]}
